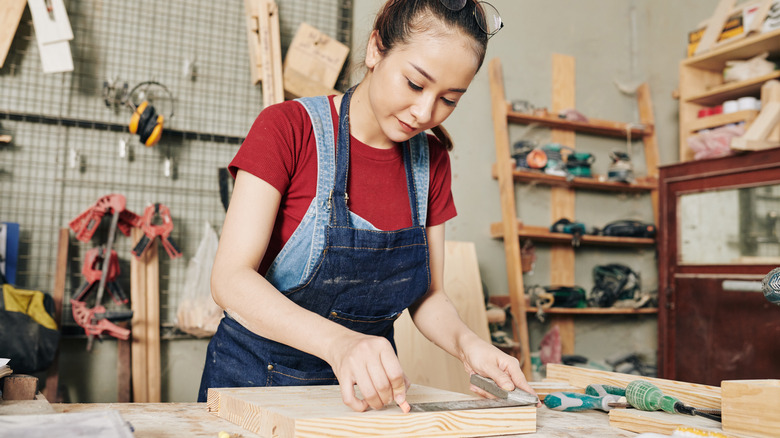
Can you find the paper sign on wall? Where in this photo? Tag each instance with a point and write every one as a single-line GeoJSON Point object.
{"type": "Point", "coordinates": [53, 34]}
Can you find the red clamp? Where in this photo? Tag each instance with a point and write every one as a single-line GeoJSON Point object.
{"type": "Point", "coordinates": [157, 214]}
{"type": "Point", "coordinates": [86, 223]}
{"type": "Point", "coordinates": [97, 320]}
{"type": "Point", "coordinates": [92, 271]}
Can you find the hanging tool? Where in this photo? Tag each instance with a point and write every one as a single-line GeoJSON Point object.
{"type": "Point", "coordinates": [97, 320]}
{"type": "Point", "coordinates": [92, 271]}
{"type": "Point", "coordinates": [157, 222]}
{"type": "Point", "coordinates": [86, 223]}
{"type": "Point", "coordinates": [645, 396]}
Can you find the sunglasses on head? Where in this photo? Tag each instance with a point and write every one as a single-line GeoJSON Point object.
{"type": "Point", "coordinates": [486, 14]}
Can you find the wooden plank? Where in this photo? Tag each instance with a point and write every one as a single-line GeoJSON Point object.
{"type": "Point", "coordinates": [715, 25]}
{"type": "Point", "coordinates": [747, 48]}
{"type": "Point", "coordinates": [543, 234]}
{"type": "Point", "coordinates": [750, 407]}
{"type": "Point", "coordinates": [509, 213]}
{"type": "Point", "coordinates": [730, 90]}
{"type": "Point", "coordinates": [597, 182]}
{"type": "Point", "coordinates": [659, 422]}
{"type": "Point", "coordinates": [315, 411]}
{"type": "Point", "coordinates": [10, 15]}
{"type": "Point", "coordinates": [693, 394]}
{"type": "Point", "coordinates": [153, 379]}
{"type": "Point", "coordinates": [138, 323]}
{"type": "Point", "coordinates": [270, 52]}
{"type": "Point", "coordinates": [592, 126]}
{"type": "Point", "coordinates": [124, 389]}
{"type": "Point", "coordinates": [770, 92]}
{"type": "Point", "coordinates": [562, 198]}
{"type": "Point", "coordinates": [253, 41]}
{"type": "Point", "coordinates": [710, 122]}
{"type": "Point", "coordinates": [647, 117]}
{"type": "Point", "coordinates": [545, 387]}
{"type": "Point", "coordinates": [315, 56]}
{"type": "Point", "coordinates": [423, 362]}
{"type": "Point", "coordinates": [297, 85]}
{"type": "Point", "coordinates": [58, 294]}
{"type": "Point", "coordinates": [756, 136]}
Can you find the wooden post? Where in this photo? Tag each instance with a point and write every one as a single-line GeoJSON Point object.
{"type": "Point", "coordinates": [153, 322]}
{"type": "Point", "coordinates": [562, 204]}
{"type": "Point", "coordinates": [509, 214]}
{"type": "Point", "coordinates": [647, 117]}
{"type": "Point", "coordinates": [58, 294]}
{"type": "Point", "coordinates": [138, 331]}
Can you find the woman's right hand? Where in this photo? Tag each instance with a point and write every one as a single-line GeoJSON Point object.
{"type": "Point", "coordinates": [370, 363]}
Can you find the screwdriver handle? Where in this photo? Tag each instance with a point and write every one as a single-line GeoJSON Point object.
{"type": "Point", "coordinates": [600, 390]}
{"type": "Point", "coordinates": [645, 396]}
{"type": "Point", "coordinates": [575, 402]}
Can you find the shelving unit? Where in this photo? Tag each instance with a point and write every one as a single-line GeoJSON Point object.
{"type": "Point", "coordinates": [562, 191]}
{"type": "Point", "coordinates": [701, 85]}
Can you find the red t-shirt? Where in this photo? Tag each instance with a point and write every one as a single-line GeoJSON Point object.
{"type": "Point", "coordinates": [281, 149]}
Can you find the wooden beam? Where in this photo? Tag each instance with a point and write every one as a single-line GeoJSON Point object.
{"type": "Point", "coordinates": [647, 118]}
{"type": "Point", "coordinates": [659, 422]}
{"type": "Point", "coordinates": [750, 407]}
{"type": "Point", "coordinates": [152, 265]}
{"type": "Point", "coordinates": [10, 16]}
{"type": "Point", "coordinates": [770, 92]}
{"type": "Point", "coordinates": [693, 394]}
{"type": "Point", "coordinates": [509, 214]}
{"type": "Point", "coordinates": [139, 355]}
{"type": "Point", "coordinates": [562, 202]}
{"type": "Point", "coordinates": [58, 294]}
{"type": "Point", "coordinates": [270, 52]}
{"type": "Point", "coordinates": [715, 25]}
{"type": "Point", "coordinates": [315, 411]}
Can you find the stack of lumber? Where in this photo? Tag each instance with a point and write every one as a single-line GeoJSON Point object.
{"type": "Point", "coordinates": [750, 407]}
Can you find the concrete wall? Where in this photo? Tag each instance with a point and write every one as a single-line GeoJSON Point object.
{"type": "Point", "coordinates": [617, 44]}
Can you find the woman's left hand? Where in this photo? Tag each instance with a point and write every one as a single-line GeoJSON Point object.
{"type": "Point", "coordinates": [480, 357]}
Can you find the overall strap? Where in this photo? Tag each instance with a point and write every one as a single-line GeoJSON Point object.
{"type": "Point", "coordinates": [339, 214]}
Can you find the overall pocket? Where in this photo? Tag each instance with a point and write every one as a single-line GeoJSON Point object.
{"type": "Point", "coordinates": [280, 375]}
{"type": "Point", "coordinates": [368, 325]}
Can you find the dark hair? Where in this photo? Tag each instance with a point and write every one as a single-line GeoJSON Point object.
{"type": "Point", "coordinates": [398, 20]}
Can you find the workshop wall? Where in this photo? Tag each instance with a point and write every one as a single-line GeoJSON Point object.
{"type": "Point", "coordinates": [65, 152]}
{"type": "Point", "coordinates": [617, 44]}
{"type": "Point", "coordinates": [60, 164]}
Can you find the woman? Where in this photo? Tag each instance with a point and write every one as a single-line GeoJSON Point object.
{"type": "Point", "coordinates": [336, 224]}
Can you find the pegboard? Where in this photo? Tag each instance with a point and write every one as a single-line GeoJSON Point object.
{"type": "Point", "coordinates": [69, 147]}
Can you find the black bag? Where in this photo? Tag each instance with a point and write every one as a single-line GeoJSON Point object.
{"type": "Point", "coordinates": [613, 282]}
{"type": "Point", "coordinates": [565, 296]}
{"type": "Point", "coordinates": [30, 346]}
{"type": "Point", "coordinates": [629, 228]}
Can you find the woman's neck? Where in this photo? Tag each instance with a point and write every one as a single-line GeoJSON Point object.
{"type": "Point", "coordinates": [363, 124]}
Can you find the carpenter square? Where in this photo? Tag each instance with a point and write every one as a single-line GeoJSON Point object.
{"type": "Point", "coordinates": [506, 399]}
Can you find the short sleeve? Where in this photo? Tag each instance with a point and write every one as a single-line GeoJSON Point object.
{"type": "Point", "coordinates": [441, 205]}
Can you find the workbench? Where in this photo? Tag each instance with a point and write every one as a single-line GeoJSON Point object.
{"type": "Point", "coordinates": [191, 420]}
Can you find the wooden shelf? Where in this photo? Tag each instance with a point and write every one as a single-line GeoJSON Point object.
{"type": "Point", "coordinates": [592, 126]}
{"type": "Point", "coordinates": [745, 48]}
{"type": "Point", "coordinates": [722, 119]}
{"type": "Point", "coordinates": [595, 311]}
{"type": "Point", "coordinates": [542, 234]}
{"type": "Point", "coordinates": [732, 90]}
{"type": "Point", "coordinates": [646, 184]}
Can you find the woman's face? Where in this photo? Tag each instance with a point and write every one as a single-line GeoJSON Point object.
{"type": "Point", "coordinates": [416, 86]}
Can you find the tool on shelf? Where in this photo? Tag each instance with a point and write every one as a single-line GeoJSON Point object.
{"type": "Point", "coordinates": [576, 229]}
{"type": "Point", "coordinates": [157, 222]}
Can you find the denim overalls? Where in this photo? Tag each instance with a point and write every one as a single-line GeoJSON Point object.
{"type": "Point", "coordinates": [335, 264]}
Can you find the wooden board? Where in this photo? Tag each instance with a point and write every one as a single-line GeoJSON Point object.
{"type": "Point", "coordinates": [315, 411]}
{"type": "Point", "coordinates": [145, 303]}
{"type": "Point", "coordinates": [562, 198]}
{"type": "Point", "coordinates": [751, 407]}
{"type": "Point", "coordinates": [693, 394]}
{"type": "Point", "coordinates": [423, 362]}
{"type": "Point", "coordinates": [715, 25]}
{"type": "Point", "coordinates": [316, 56]}
{"type": "Point", "coordinates": [659, 421]}
{"type": "Point", "coordinates": [10, 15]}
{"type": "Point", "coordinates": [58, 293]}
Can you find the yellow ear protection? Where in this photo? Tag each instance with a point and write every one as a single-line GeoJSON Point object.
{"type": "Point", "coordinates": [145, 121]}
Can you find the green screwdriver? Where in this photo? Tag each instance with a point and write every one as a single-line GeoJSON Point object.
{"type": "Point", "coordinates": [645, 396]}
{"type": "Point", "coordinates": [575, 402]}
